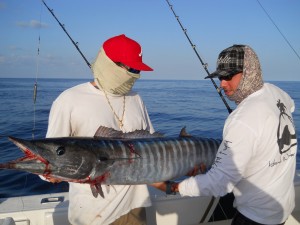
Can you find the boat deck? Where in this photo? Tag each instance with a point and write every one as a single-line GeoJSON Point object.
{"type": "Point", "coordinates": [52, 209]}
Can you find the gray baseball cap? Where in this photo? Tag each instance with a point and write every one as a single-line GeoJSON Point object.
{"type": "Point", "coordinates": [230, 62]}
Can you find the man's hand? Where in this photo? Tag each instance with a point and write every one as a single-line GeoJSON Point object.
{"type": "Point", "coordinates": [53, 180]}
{"type": "Point", "coordinates": [160, 185]}
{"type": "Point", "coordinates": [169, 187]}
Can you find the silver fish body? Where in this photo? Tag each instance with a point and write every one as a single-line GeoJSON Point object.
{"type": "Point", "coordinates": [114, 161]}
{"type": "Point", "coordinates": [105, 161]}
{"type": "Point", "coordinates": [148, 161]}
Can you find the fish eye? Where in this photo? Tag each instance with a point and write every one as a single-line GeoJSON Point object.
{"type": "Point", "coordinates": [60, 150]}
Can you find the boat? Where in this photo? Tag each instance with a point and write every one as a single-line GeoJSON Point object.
{"type": "Point", "coordinates": [52, 209]}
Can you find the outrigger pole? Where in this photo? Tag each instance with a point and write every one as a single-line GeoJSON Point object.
{"type": "Point", "coordinates": [203, 64]}
{"type": "Point", "coordinates": [63, 27]}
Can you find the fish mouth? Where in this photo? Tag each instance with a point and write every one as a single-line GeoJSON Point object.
{"type": "Point", "coordinates": [33, 162]}
{"type": "Point", "coordinates": [30, 162]}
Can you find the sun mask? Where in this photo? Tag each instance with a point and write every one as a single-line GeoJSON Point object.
{"type": "Point", "coordinates": [111, 77]}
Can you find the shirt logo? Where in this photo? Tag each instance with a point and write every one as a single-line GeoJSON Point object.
{"type": "Point", "coordinates": [286, 134]}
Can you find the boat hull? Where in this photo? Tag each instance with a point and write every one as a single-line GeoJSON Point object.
{"type": "Point", "coordinates": [52, 209]}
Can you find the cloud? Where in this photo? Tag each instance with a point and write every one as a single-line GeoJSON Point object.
{"type": "Point", "coordinates": [32, 24]}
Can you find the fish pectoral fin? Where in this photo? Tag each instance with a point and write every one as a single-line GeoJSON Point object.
{"type": "Point", "coordinates": [94, 190]}
{"type": "Point", "coordinates": [97, 189]}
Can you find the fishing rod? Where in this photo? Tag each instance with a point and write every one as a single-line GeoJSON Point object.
{"type": "Point", "coordinates": [63, 27]}
{"type": "Point", "coordinates": [202, 62]}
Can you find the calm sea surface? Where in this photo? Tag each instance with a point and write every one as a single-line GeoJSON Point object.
{"type": "Point", "coordinates": [171, 106]}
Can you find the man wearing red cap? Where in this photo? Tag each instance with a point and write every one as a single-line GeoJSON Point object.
{"type": "Point", "coordinates": [107, 101]}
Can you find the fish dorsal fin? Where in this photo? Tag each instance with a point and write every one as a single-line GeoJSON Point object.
{"type": "Point", "coordinates": [105, 132]}
{"type": "Point", "coordinates": [183, 133]}
{"type": "Point", "coordinates": [108, 132]}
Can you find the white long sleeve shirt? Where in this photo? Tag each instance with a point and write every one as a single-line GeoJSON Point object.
{"type": "Point", "coordinates": [256, 159]}
{"type": "Point", "coordinates": [79, 111]}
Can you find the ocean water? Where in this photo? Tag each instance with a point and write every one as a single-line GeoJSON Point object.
{"type": "Point", "coordinates": [171, 104]}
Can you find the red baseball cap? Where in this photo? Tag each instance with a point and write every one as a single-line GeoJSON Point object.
{"type": "Point", "coordinates": [125, 50]}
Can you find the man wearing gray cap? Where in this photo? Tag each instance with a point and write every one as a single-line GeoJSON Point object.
{"type": "Point", "coordinates": [257, 157]}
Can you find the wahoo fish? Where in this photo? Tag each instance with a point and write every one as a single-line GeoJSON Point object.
{"type": "Point", "coordinates": [115, 158]}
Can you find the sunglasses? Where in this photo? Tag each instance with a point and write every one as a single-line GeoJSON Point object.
{"type": "Point", "coordinates": [226, 78]}
{"type": "Point", "coordinates": [131, 70]}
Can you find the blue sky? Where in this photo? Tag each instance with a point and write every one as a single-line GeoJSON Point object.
{"type": "Point", "coordinates": [212, 26]}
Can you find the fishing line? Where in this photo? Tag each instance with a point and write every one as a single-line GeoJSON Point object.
{"type": "Point", "coordinates": [35, 87]}
{"type": "Point", "coordinates": [63, 27]}
{"type": "Point", "coordinates": [36, 75]}
{"type": "Point", "coordinates": [293, 49]}
{"type": "Point", "coordinates": [202, 62]}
